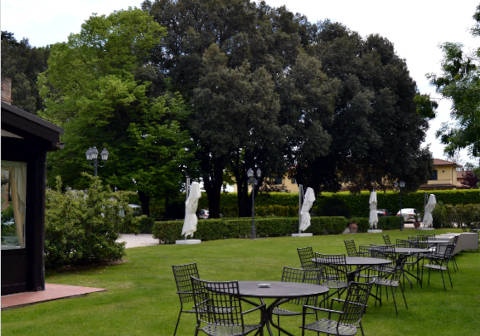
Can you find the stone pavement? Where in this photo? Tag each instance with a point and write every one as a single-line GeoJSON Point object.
{"type": "Point", "coordinates": [137, 240]}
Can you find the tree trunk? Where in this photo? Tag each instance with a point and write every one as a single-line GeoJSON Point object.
{"type": "Point", "coordinates": [144, 202]}
{"type": "Point", "coordinates": [212, 183]}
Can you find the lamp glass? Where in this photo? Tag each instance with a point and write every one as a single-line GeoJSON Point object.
{"type": "Point", "coordinates": [250, 172]}
{"type": "Point", "coordinates": [104, 154]}
{"type": "Point", "coordinates": [259, 172]}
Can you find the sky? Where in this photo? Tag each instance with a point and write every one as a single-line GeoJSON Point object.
{"type": "Point", "coordinates": [416, 28]}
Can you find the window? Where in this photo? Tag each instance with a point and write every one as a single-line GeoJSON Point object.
{"type": "Point", "coordinates": [277, 180]}
{"type": "Point", "coordinates": [434, 175]}
{"type": "Point", "coordinates": [14, 199]}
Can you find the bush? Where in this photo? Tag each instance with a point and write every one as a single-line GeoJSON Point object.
{"type": "Point", "coordinates": [460, 215]}
{"type": "Point", "coordinates": [81, 227]}
{"type": "Point", "coordinates": [389, 222]}
{"type": "Point", "coordinates": [211, 229]}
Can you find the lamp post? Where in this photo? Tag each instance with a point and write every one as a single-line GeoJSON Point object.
{"type": "Point", "coordinates": [92, 155]}
{"type": "Point", "coordinates": [401, 185]}
{"type": "Point", "coordinates": [252, 179]}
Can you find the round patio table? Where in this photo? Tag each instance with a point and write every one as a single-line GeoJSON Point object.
{"type": "Point", "coordinates": [281, 292]}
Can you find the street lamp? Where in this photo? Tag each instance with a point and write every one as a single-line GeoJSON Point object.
{"type": "Point", "coordinates": [400, 185]}
{"type": "Point", "coordinates": [92, 155]}
{"type": "Point", "coordinates": [252, 179]}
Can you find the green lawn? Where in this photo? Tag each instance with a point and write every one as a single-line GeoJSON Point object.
{"type": "Point", "coordinates": [141, 299]}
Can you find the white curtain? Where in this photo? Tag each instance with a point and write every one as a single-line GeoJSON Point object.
{"type": "Point", "coordinates": [17, 173]}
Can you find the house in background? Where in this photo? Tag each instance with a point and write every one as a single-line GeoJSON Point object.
{"type": "Point", "coordinates": [444, 176]}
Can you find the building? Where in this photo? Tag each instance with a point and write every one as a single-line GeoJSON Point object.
{"type": "Point", "coordinates": [444, 176]}
{"type": "Point", "coordinates": [26, 139]}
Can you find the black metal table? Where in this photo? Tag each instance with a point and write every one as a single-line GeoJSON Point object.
{"type": "Point", "coordinates": [360, 263]}
{"type": "Point", "coordinates": [281, 292]}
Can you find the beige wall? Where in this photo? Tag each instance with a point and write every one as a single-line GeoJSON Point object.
{"type": "Point", "coordinates": [445, 175]}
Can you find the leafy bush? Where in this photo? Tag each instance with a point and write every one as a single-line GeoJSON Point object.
{"type": "Point", "coordinates": [211, 229]}
{"type": "Point", "coordinates": [81, 226]}
{"type": "Point", "coordinates": [389, 222]}
{"type": "Point", "coordinates": [460, 215]}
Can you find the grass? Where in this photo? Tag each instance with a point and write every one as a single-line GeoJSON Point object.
{"type": "Point", "coordinates": [141, 299]}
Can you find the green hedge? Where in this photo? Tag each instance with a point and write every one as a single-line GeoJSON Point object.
{"type": "Point", "coordinates": [342, 203]}
{"type": "Point", "coordinates": [462, 215]}
{"type": "Point", "coordinates": [222, 228]}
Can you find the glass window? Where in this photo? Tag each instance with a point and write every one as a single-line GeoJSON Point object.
{"type": "Point", "coordinates": [14, 200]}
{"type": "Point", "coordinates": [434, 175]}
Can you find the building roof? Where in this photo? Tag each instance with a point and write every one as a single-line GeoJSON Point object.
{"type": "Point", "coordinates": [24, 124]}
{"type": "Point", "coordinates": [440, 162]}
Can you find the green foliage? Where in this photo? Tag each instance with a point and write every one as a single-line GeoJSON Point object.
{"type": "Point", "coordinates": [459, 215]}
{"type": "Point", "coordinates": [22, 63]}
{"type": "Point", "coordinates": [389, 222]}
{"type": "Point", "coordinates": [343, 203]}
{"type": "Point", "coordinates": [97, 88]}
{"type": "Point", "coordinates": [460, 82]}
{"type": "Point", "coordinates": [81, 226]}
{"type": "Point", "coordinates": [212, 229]}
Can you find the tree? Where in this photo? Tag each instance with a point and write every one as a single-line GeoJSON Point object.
{"type": "Point", "coordinates": [94, 89]}
{"type": "Point", "coordinates": [256, 44]}
{"type": "Point", "coordinates": [235, 115]}
{"type": "Point", "coordinates": [460, 82]}
{"type": "Point", "coordinates": [22, 63]}
{"type": "Point", "coordinates": [377, 127]}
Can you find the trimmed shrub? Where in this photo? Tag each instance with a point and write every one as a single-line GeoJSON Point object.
{"type": "Point", "coordinates": [389, 222]}
{"type": "Point", "coordinates": [362, 222]}
{"type": "Point", "coordinates": [460, 215]}
{"type": "Point", "coordinates": [81, 227]}
{"type": "Point", "coordinates": [211, 229]}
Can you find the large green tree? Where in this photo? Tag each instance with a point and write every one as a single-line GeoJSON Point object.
{"type": "Point", "coordinates": [378, 126]}
{"type": "Point", "coordinates": [259, 44]}
{"type": "Point", "coordinates": [22, 63]}
{"type": "Point", "coordinates": [95, 88]}
{"type": "Point", "coordinates": [460, 82]}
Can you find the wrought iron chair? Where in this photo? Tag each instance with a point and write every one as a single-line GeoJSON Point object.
{"type": "Point", "coordinates": [290, 274]}
{"type": "Point", "coordinates": [351, 248]}
{"type": "Point", "coordinates": [182, 274]}
{"type": "Point", "coordinates": [306, 255]}
{"type": "Point", "coordinates": [391, 279]}
{"type": "Point", "coordinates": [335, 271]}
{"type": "Point", "coordinates": [439, 261]}
{"type": "Point", "coordinates": [386, 239]}
{"type": "Point", "coordinates": [349, 318]}
{"type": "Point", "coordinates": [219, 309]}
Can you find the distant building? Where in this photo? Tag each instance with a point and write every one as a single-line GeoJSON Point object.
{"type": "Point", "coordinates": [444, 176]}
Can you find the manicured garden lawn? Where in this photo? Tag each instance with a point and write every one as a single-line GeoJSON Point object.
{"type": "Point", "coordinates": [141, 299]}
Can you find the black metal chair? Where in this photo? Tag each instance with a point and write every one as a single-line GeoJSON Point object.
{"type": "Point", "coordinates": [439, 261]}
{"type": "Point", "coordinates": [349, 318]}
{"type": "Point", "coordinates": [352, 250]}
{"type": "Point", "coordinates": [386, 239]}
{"type": "Point", "coordinates": [391, 279]}
{"type": "Point", "coordinates": [306, 255]}
{"type": "Point", "coordinates": [182, 274]}
{"type": "Point", "coordinates": [335, 271]}
{"type": "Point", "coordinates": [219, 309]}
{"type": "Point", "coordinates": [290, 274]}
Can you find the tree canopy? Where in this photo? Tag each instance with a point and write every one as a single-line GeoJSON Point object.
{"type": "Point", "coordinates": [460, 82]}
{"type": "Point", "coordinates": [22, 63]}
{"type": "Point", "coordinates": [94, 89]}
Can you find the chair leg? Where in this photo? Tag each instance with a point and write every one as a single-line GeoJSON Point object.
{"type": "Point", "coordinates": [449, 277]}
{"type": "Point", "coordinates": [361, 328]}
{"type": "Point", "coordinates": [403, 294]}
{"type": "Point", "coordinates": [178, 321]}
{"type": "Point", "coordinates": [443, 280]}
{"type": "Point", "coordinates": [394, 301]}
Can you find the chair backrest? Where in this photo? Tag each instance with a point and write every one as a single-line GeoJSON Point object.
{"type": "Point", "coordinates": [335, 266]}
{"type": "Point", "coordinates": [312, 276]}
{"type": "Point", "coordinates": [448, 253]}
{"type": "Point", "coordinates": [355, 303]}
{"type": "Point", "coordinates": [386, 239]}
{"type": "Point", "coordinates": [218, 303]}
{"type": "Point", "coordinates": [182, 274]}
{"type": "Point", "coordinates": [351, 248]}
{"type": "Point", "coordinates": [383, 251]}
{"type": "Point", "coordinates": [306, 255]}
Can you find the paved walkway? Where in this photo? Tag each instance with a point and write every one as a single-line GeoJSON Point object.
{"type": "Point", "coordinates": [137, 240]}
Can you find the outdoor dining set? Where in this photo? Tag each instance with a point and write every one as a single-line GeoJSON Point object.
{"type": "Point", "coordinates": [329, 292]}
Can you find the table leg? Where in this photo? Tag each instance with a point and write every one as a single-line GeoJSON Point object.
{"type": "Point", "coordinates": [269, 317]}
